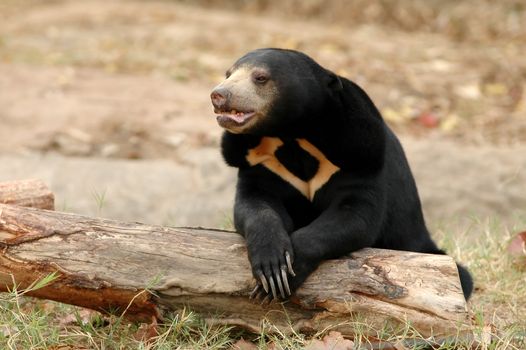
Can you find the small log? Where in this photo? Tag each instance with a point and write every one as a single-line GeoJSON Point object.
{"type": "Point", "coordinates": [27, 193]}
{"type": "Point", "coordinates": [104, 264]}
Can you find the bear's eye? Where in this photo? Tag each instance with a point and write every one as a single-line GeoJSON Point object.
{"type": "Point", "coordinates": [260, 78]}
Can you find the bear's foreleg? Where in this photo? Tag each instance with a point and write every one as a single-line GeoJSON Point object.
{"type": "Point", "coordinates": [262, 219]}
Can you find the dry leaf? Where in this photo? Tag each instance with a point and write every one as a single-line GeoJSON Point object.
{"type": "Point", "coordinates": [428, 119]}
{"type": "Point", "coordinates": [272, 346]}
{"type": "Point", "coordinates": [392, 116]}
{"type": "Point", "coordinates": [83, 314]}
{"type": "Point", "coordinates": [400, 346]}
{"type": "Point", "coordinates": [468, 91]}
{"type": "Point", "coordinates": [147, 331]}
{"type": "Point", "coordinates": [495, 89]}
{"type": "Point", "coordinates": [517, 245]}
{"type": "Point", "coordinates": [449, 123]}
{"type": "Point", "coordinates": [439, 65]}
{"type": "Point", "coordinates": [486, 336]}
{"type": "Point", "coordinates": [8, 331]}
{"type": "Point", "coordinates": [332, 341]}
{"type": "Point", "coordinates": [243, 344]}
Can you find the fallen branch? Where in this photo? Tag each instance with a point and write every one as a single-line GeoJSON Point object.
{"type": "Point", "coordinates": [105, 264]}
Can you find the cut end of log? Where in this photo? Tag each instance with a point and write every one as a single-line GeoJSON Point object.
{"type": "Point", "coordinates": [27, 193]}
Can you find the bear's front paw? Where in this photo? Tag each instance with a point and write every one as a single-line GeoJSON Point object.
{"type": "Point", "coordinates": [300, 270]}
{"type": "Point", "coordinates": [271, 267]}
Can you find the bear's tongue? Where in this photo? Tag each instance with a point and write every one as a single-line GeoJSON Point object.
{"type": "Point", "coordinates": [238, 117]}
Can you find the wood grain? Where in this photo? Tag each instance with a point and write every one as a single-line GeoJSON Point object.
{"type": "Point", "coordinates": [103, 264]}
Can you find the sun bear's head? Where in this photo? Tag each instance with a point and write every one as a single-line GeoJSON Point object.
{"type": "Point", "coordinates": [272, 91]}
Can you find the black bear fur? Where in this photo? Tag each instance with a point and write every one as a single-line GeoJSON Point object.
{"type": "Point", "coordinates": [371, 201]}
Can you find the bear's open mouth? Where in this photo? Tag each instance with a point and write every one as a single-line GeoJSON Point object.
{"type": "Point", "coordinates": [233, 117]}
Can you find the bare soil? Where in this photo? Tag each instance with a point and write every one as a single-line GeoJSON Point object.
{"type": "Point", "coordinates": [131, 80]}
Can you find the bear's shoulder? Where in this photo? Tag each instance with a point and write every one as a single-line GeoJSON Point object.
{"type": "Point", "coordinates": [355, 135]}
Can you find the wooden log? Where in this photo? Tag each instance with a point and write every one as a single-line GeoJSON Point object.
{"type": "Point", "coordinates": [27, 193]}
{"type": "Point", "coordinates": [104, 264]}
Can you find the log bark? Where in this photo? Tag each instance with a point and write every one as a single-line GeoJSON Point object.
{"type": "Point", "coordinates": [27, 193]}
{"type": "Point", "coordinates": [105, 264]}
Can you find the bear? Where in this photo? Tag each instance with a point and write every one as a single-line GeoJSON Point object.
{"type": "Point", "coordinates": [320, 174]}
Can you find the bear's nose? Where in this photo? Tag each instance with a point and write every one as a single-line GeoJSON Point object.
{"type": "Point", "coordinates": [219, 97]}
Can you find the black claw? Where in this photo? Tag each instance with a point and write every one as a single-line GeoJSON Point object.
{"type": "Point", "coordinates": [285, 279]}
{"type": "Point", "coordinates": [261, 295]}
{"type": "Point", "coordinates": [289, 264]}
{"type": "Point", "coordinates": [264, 282]}
{"type": "Point", "coordinates": [273, 287]}
{"type": "Point", "coordinates": [280, 285]}
{"type": "Point", "coordinates": [266, 300]}
{"type": "Point", "coordinates": [254, 292]}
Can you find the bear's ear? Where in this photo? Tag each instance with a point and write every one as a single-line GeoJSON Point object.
{"type": "Point", "coordinates": [334, 82]}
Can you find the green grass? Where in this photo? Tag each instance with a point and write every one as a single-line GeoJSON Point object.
{"type": "Point", "coordinates": [499, 277]}
{"type": "Point", "coordinates": [498, 306]}
{"type": "Point", "coordinates": [29, 324]}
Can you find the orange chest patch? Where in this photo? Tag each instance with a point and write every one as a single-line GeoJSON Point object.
{"type": "Point", "coordinates": [265, 154]}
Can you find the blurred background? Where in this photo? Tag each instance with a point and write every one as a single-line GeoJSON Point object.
{"type": "Point", "coordinates": [108, 101]}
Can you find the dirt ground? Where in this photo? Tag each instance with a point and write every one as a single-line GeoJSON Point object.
{"type": "Point", "coordinates": [129, 81]}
